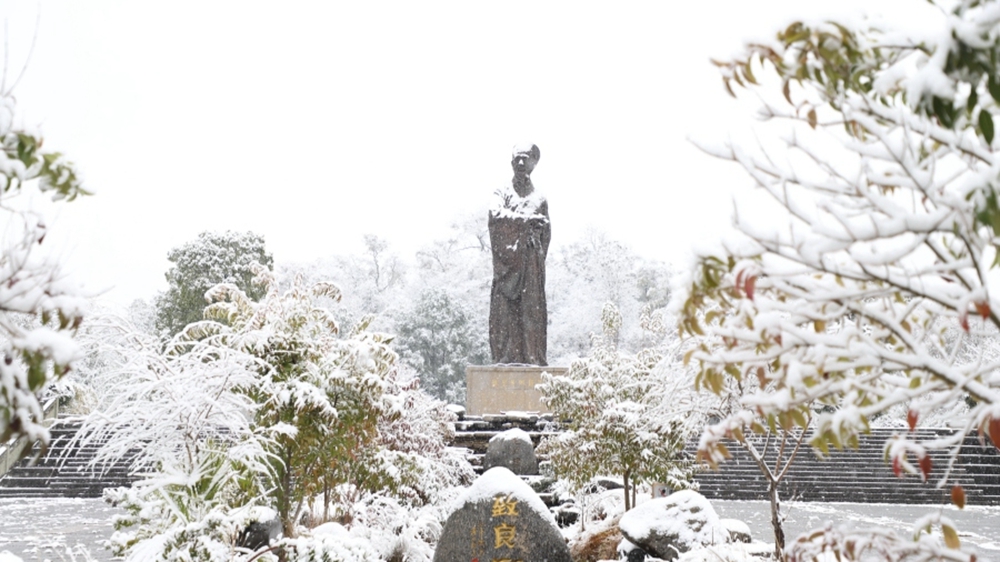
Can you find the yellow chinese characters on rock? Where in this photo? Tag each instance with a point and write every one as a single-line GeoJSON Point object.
{"type": "Point", "coordinates": [503, 505]}
{"type": "Point", "coordinates": [504, 533]}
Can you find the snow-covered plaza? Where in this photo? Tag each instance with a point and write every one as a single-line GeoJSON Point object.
{"type": "Point", "coordinates": [61, 529]}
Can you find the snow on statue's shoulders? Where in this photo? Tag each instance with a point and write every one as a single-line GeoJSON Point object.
{"type": "Point", "coordinates": [500, 481]}
{"type": "Point", "coordinates": [513, 434]}
{"type": "Point", "coordinates": [508, 204]}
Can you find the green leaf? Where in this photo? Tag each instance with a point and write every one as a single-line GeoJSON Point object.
{"type": "Point", "coordinates": [986, 125]}
{"type": "Point", "coordinates": [945, 111]}
{"type": "Point", "coordinates": [950, 537]}
{"type": "Point", "coordinates": [799, 418]}
{"type": "Point", "coordinates": [994, 87]}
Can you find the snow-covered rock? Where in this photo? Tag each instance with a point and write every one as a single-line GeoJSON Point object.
{"type": "Point", "coordinates": [456, 409]}
{"type": "Point", "coordinates": [263, 527]}
{"type": "Point", "coordinates": [630, 552]}
{"type": "Point", "coordinates": [513, 450]}
{"type": "Point", "coordinates": [667, 527]}
{"type": "Point", "coordinates": [758, 551]}
{"type": "Point", "coordinates": [501, 517]}
{"type": "Point", "coordinates": [738, 530]}
{"type": "Point", "coordinates": [332, 530]}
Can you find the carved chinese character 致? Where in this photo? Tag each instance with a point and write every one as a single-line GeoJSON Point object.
{"type": "Point", "coordinates": [504, 535]}
{"type": "Point", "coordinates": [504, 506]}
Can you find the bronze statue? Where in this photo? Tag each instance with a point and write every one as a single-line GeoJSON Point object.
{"type": "Point", "coordinates": [519, 236]}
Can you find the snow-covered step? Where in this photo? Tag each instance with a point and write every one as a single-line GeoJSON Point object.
{"type": "Point", "coordinates": [64, 471]}
{"type": "Point", "coordinates": [860, 475]}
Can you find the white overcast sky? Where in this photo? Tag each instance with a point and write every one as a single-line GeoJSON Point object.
{"type": "Point", "coordinates": [314, 123]}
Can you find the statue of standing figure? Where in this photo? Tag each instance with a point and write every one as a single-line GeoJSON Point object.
{"type": "Point", "coordinates": [519, 237]}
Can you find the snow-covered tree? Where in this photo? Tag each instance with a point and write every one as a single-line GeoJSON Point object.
{"type": "Point", "coordinates": [876, 265]}
{"type": "Point", "coordinates": [589, 272]}
{"type": "Point", "coordinates": [438, 339]}
{"type": "Point", "coordinates": [626, 415]}
{"type": "Point", "coordinates": [40, 308]}
{"type": "Point", "coordinates": [444, 324]}
{"type": "Point", "coordinates": [266, 404]}
{"type": "Point", "coordinates": [438, 310]}
{"type": "Point", "coordinates": [190, 432]}
{"type": "Point", "coordinates": [318, 395]}
{"type": "Point", "coordinates": [199, 265]}
{"type": "Point", "coordinates": [375, 282]}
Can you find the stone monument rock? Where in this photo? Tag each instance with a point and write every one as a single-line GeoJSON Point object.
{"type": "Point", "coordinates": [501, 518]}
{"type": "Point", "coordinates": [519, 238]}
{"type": "Point", "coordinates": [512, 449]}
{"type": "Point", "coordinates": [666, 527]}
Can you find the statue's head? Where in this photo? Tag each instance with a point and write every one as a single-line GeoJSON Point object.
{"type": "Point", "coordinates": [524, 157]}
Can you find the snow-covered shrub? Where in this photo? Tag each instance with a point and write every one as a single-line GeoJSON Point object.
{"type": "Point", "coordinates": [274, 407]}
{"type": "Point", "coordinates": [876, 265]}
{"type": "Point", "coordinates": [40, 308]}
{"type": "Point", "coordinates": [620, 417]}
{"type": "Point", "coordinates": [195, 447]}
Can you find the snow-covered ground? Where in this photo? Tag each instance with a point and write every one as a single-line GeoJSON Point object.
{"type": "Point", "coordinates": [43, 529]}
{"type": "Point", "coordinates": [56, 529]}
{"type": "Point", "coordinates": [978, 527]}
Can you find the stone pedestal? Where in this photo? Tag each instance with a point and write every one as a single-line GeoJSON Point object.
{"type": "Point", "coordinates": [493, 389]}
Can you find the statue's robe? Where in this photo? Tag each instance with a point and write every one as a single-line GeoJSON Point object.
{"type": "Point", "coordinates": [519, 236]}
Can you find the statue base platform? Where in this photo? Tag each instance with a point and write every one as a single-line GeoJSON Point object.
{"type": "Point", "coordinates": [495, 389]}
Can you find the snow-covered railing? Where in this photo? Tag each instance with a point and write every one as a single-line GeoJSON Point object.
{"type": "Point", "coordinates": [11, 451]}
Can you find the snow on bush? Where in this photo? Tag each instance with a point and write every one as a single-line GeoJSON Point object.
{"type": "Point", "coordinates": [269, 405]}
{"type": "Point", "coordinates": [875, 268]}
{"type": "Point", "coordinates": [627, 415]}
{"type": "Point", "coordinates": [40, 308]}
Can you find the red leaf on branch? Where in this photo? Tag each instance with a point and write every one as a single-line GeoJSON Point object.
{"type": "Point", "coordinates": [749, 286]}
{"type": "Point", "coordinates": [925, 466]}
{"type": "Point", "coordinates": [963, 321]}
{"type": "Point", "coordinates": [983, 308]}
{"type": "Point", "coordinates": [958, 496]}
{"type": "Point", "coordinates": [897, 467]}
{"type": "Point", "coordinates": [994, 430]}
{"type": "Point", "coordinates": [911, 419]}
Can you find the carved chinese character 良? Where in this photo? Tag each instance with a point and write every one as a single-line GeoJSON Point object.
{"type": "Point", "coordinates": [504, 535]}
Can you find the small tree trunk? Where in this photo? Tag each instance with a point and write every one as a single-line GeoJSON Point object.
{"type": "Point", "coordinates": [627, 488]}
{"type": "Point", "coordinates": [779, 533]}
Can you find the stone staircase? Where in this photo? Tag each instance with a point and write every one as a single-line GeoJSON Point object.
{"type": "Point", "coordinates": [859, 476]}
{"type": "Point", "coordinates": [63, 471]}
{"type": "Point", "coordinates": [854, 476]}
{"type": "Point", "coordinates": [473, 433]}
